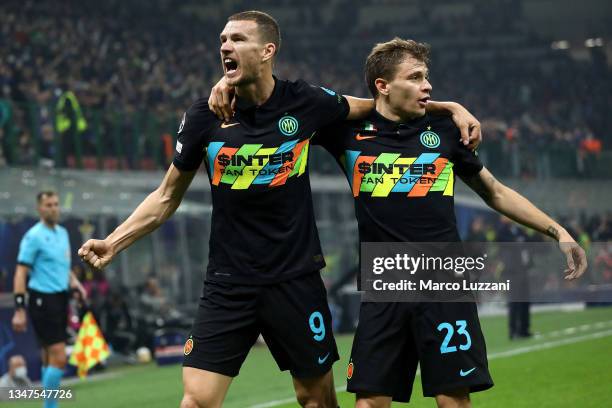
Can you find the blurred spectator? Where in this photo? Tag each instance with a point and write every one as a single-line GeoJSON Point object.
{"type": "Point", "coordinates": [25, 155]}
{"type": "Point", "coordinates": [603, 263]}
{"type": "Point", "coordinates": [95, 284]}
{"type": "Point", "coordinates": [517, 263]}
{"type": "Point", "coordinates": [591, 145]}
{"type": "Point", "coordinates": [47, 147]}
{"type": "Point", "coordinates": [17, 375]}
{"type": "Point", "coordinates": [156, 312]}
{"type": "Point", "coordinates": [477, 231]}
{"type": "Point", "coordinates": [117, 324]}
{"type": "Point", "coordinates": [152, 298]}
{"type": "Point", "coordinates": [602, 229]}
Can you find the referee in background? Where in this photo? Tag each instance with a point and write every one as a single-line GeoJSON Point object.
{"type": "Point", "coordinates": [44, 252]}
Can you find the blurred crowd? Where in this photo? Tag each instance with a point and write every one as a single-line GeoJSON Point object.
{"type": "Point", "coordinates": [72, 58]}
{"type": "Point", "coordinates": [586, 230]}
{"type": "Point", "coordinates": [130, 318]}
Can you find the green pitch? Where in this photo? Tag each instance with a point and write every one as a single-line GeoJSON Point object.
{"type": "Point", "coordinates": [568, 365]}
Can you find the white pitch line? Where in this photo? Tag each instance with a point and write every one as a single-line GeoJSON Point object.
{"type": "Point", "coordinates": [571, 330]}
{"type": "Point", "coordinates": [550, 344]}
{"type": "Point", "coordinates": [493, 356]}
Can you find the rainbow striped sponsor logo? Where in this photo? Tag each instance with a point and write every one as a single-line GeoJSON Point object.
{"type": "Point", "coordinates": [390, 173]}
{"type": "Point", "coordinates": [250, 164]}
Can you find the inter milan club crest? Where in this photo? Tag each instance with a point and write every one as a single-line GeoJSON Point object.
{"type": "Point", "coordinates": [430, 139]}
{"type": "Point", "coordinates": [188, 346]}
{"type": "Point", "coordinates": [288, 125]}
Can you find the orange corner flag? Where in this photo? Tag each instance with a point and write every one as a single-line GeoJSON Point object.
{"type": "Point", "coordinates": [90, 347]}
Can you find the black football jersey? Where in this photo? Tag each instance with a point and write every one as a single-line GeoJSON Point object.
{"type": "Point", "coordinates": [263, 226]}
{"type": "Point", "coordinates": [402, 175]}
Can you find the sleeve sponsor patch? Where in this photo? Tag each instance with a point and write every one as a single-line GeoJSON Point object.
{"type": "Point", "coordinates": [182, 125]}
{"type": "Point", "coordinates": [329, 91]}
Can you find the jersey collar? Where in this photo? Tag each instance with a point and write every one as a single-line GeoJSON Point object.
{"type": "Point", "coordinates": [273, 101]}
{"type": "Point", "coordinates": [384, 124]}
{"type": "Point", "coordinates": [46, 227]}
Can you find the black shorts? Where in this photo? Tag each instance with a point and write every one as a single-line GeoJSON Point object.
{"type": "Point", "coordinates": [292, 316]}
{"type": "Point", "coordinates": [49, 315]}
{"type": "Point", "coordinates": [392, 338]}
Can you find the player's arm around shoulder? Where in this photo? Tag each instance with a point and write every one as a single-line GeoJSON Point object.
{"type": "Point", "coordinates": [468, 125]}
{"type": "Point", "coordinates": [359, 108]}
{"type": "Point", "coordinates": [150, 214]}
{"type": "Point", "coordinates": [518, 208]}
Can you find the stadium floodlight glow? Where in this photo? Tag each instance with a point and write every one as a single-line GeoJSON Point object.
{"type": "Point", "coordinates": [560, 45]}
{"type": "Point", "coordinates": [593, 42]}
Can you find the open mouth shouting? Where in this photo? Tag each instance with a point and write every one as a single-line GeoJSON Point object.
{"type": "Point", "coordinates": [230, 66]}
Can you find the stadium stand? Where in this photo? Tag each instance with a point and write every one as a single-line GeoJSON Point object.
{"type": "Point", "coordinates": [102, 85]}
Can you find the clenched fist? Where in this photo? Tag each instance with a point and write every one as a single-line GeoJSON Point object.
{"type": "Point", "coordinates": [97, 253]}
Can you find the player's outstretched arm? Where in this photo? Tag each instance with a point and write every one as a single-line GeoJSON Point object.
{"type": "Point", "coordinates": [516, 207]}
{"type": "Point", "coordinates": [150, 214]}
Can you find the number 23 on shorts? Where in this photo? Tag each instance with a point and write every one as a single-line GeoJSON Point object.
{"type": "Point", "coordinates": [461, 330]}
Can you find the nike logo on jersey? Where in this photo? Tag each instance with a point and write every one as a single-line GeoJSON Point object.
{"type": "Point", "coordinates": [464, 373]}
{"type": "Point", "coordinates": [322, 360]}
{"type": "Point", "coordinates": [359, 137]}
{"type": "Point", "coordinates": [226, 125]}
